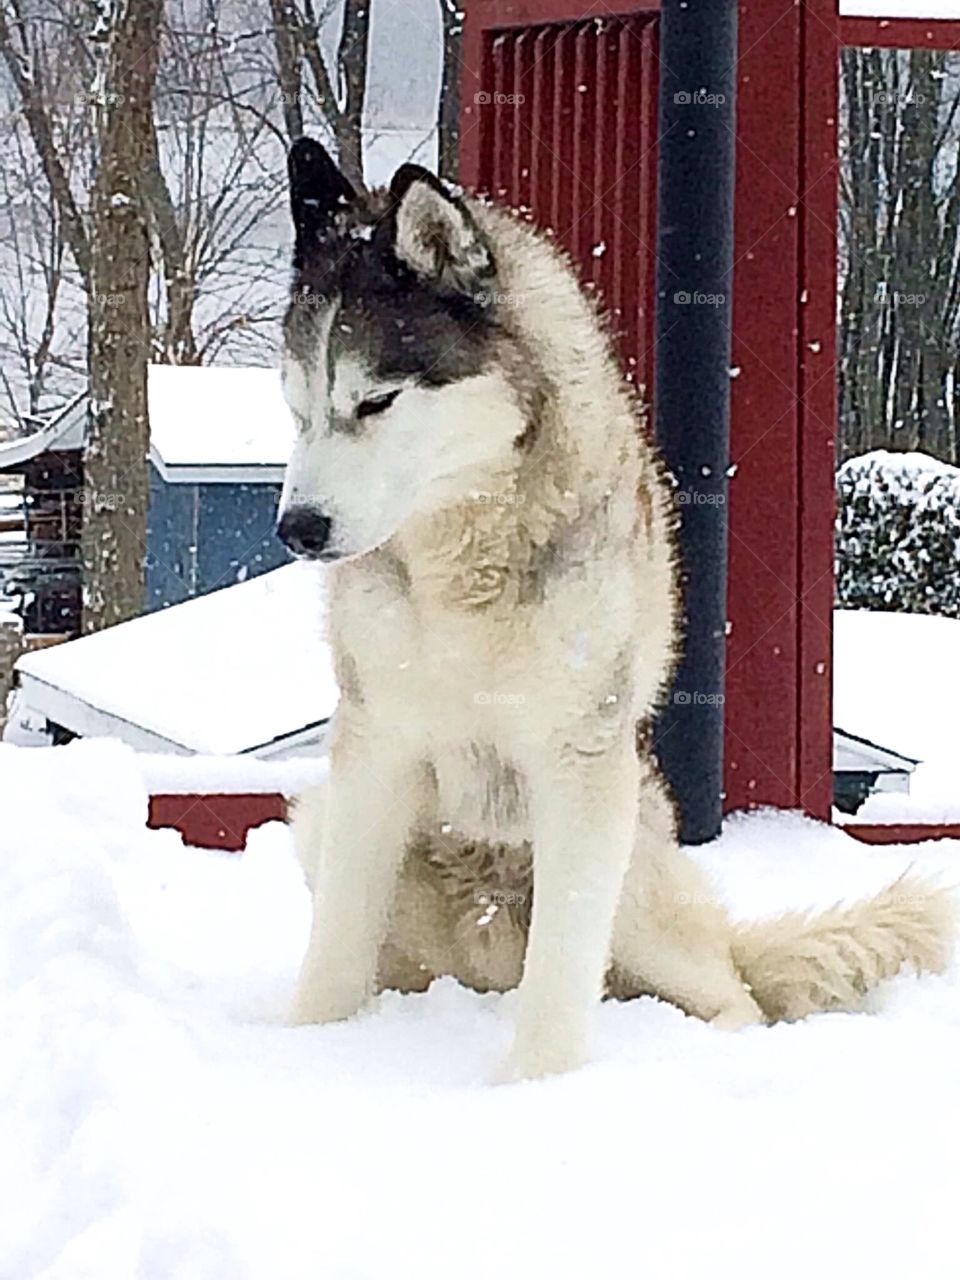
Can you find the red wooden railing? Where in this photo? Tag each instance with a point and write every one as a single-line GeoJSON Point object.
{"type": "Point", "coordinates": [216, 821]}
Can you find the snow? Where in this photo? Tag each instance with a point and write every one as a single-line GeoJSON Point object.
{"type": "Point", "coordinates": [894, 684]}
{"type": "Point", "coordinates": [159, 1122]}
{"type": "Point", "coordinates": [385, 149]}
{"type": "Point", "coordinates": [227, 775]}
{"type": "Point", "coordinates": [911, 465]}
{"type": "Point", "coordinates": [63, 430]}
{"type": "Point", "coordinates": [200, 416]}
{"type": "Point", "coordinates": [207, 415]}
{"type": "Point", "coordinates": [228, 672]}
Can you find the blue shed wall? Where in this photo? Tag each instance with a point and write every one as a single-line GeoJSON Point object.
{"type": "Point", "coordinates": [204, 536]}
{"type": "Point", "coordinates": [237, 533]}
{"type": "Point", "coordinates": [171, 535]}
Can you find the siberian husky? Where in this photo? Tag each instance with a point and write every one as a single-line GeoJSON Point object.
{"type": "Point", "coordinates": [505, 619]}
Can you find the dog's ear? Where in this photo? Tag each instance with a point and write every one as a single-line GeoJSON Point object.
{"type": "Point", "coordinates": [318, 190]}
{"type": "Point", "coordinates": [435, 235]}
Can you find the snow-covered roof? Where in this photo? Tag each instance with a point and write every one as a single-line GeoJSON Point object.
{"type": "Point", "coordinates": [854, 754]}
{"type": "Point", "coordinates": [244, 669]}
{"type": "Point", "coordinates": [64, 431]}
{"type": "Point", "coordinates": [209, 423]}
{"type": "Point", "coordinates": [894, 684]}
{"type": "Point", "coordinates": [894, 680]}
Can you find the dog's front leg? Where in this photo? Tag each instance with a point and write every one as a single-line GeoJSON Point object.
{"type": "Point", "coordinates": [373, 795]}
{"type": "Point", "coordinates": [583, 817]}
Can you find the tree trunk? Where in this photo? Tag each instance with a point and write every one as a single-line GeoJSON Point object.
{"type": "Point", "coordinates": [177, 342]}
{"type": "Point", "coordinates": [286, 26]}
{"type": "Point", "coordinates": [116, 486]}
{"type": "Point", "coordinates": [900, 309]}
{"type": "Point", "coordinates": [352, 72]}
{"type": "Point", "coordinates": [448, 113]}
{"type": "Point", "coordinates": [37, 116]}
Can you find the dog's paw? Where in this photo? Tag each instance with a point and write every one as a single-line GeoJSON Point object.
{"type": "Point", "coordinates": [740, 1013]}
{"type": "Point", "coordinates": [534, 1060]}
{"type": "Point", "coordinates": [315, 1008]}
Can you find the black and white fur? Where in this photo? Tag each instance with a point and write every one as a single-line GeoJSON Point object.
{"type": "Point", "coordinates": [504, 614]}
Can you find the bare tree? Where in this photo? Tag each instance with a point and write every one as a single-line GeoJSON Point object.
{"type": "Point", "coordinates": [29, 292]}
{"type": "Point", "coordinates": [113, 541]}
{"type": "Point", "coordinates": [215, 188]}
{"type": "Point", "coordinates": [286, 29]}
{"type": "Point", "coordinates": [212, 184]}
{"type": "Point", "coordinates": [46, 162]}
{"type": "Point", "coordinates": [899, 341]}
{"type": "Point", "coordinates": [174, 340]}
{"type": "Point", "coordinates": [448, 109]}
{"type": "Point", "coordinates": [352, 57]}
{"type": "Point", "coordinates": [26, 73]}
{"type": "Point", "coordinates": [297, 25]}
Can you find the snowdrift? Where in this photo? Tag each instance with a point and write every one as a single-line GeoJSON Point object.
{"type": "Point", "coordinates": [159, 1122]}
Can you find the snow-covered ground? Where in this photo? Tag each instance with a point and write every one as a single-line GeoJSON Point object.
{"type": "Point", "coordinates": [159, 1122]}
{"type": "Point", "coordinates": [895, 684]}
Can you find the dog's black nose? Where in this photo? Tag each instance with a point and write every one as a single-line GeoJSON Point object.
{"type": "Point", "coordinates": [305, 531]}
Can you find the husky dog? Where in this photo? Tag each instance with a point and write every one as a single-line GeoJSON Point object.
{"type": "Point", "coordinates": [504, 615]}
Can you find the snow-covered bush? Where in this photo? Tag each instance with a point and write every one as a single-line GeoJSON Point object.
{"type": "Point", "coordinates": [898, 534]}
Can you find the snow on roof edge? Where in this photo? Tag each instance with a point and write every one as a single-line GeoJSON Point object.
{"type": "Point", "coordinates": [875, 746]}
{"type": "Point", "coordinates": [13, 452]}
{"type": "Point", "coordinates": [233, 670]}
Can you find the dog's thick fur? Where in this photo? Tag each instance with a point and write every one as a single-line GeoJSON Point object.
{"type": "Point", "coordinates": [504, 615]}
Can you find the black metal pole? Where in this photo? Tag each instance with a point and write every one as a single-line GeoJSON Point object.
{"type": "Point", "coordinates": [698, 57]}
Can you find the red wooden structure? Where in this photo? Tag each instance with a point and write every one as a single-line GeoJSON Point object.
{"type": "Point", "coordinates": [216, 821]}
{"type": "Point", "coordinates": [559, 119]}
{"type": "Point", "coordinates": [558, 116]}
{"type": "Point", "coordinates": [901, 33]}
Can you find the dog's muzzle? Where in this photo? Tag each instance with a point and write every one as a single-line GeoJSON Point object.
{"type": "Point", "coordinates": [307, 533]}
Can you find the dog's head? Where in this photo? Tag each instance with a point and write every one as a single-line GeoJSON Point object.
{"type": "Point", "coordinates": [390, 363]}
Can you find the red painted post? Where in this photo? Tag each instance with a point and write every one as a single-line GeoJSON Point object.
{"type": "Point", "coordinates": [762, 658]}
{"type": "Point", "coordinates": [818, 408]}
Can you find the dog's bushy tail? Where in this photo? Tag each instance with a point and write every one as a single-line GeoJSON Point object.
{"type": "Point", "coordinates": [807, 962]}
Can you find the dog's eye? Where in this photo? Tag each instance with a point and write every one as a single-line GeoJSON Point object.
{"type": "Point", "coordinates": [376, 404]}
